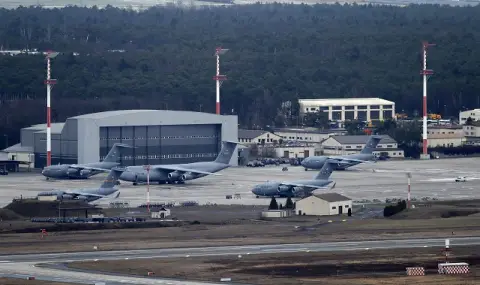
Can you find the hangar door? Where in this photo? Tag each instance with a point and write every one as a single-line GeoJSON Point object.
{"type": "Point", "coordinates": [163, 144]}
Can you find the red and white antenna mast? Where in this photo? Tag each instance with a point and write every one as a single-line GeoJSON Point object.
{"type": "Point", "coordinates": [219, 78]}
{"type": "Point", "coordinates": [426, 74]}
{"type": "Point", "coordinates": [49, 82]}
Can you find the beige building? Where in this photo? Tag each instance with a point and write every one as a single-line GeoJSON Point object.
{"type": "Point", "coordinates": [472, 133]}
{"type": "Point", "coordinates": [474, 114]}
{"type": "Point", "coordinates": [249, 137]}
{"type": "Point", "coordinates": [326, 204]}
{"type": "Point", "coordinates": [445, 136]}
{"type": "Point", "coordinates": [343, 145]}
{"type": "Point", "coordinates": [342, 109]}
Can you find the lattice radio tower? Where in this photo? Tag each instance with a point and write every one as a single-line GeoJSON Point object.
{"type": "Point", "coordinates": [426, 74]}
{"type": "Point", "coordinates": [50, 83]}
{"type": "Point", "coordinates": [219, 78]}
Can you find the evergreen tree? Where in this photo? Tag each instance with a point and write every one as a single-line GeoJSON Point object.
{"type": "Point", "coordinates": [273, 204]}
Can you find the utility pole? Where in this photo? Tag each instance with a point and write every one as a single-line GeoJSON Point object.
{"type": "Point", "coordinates": [147, 168]}
{"type": "Point", "coordinates": [426, 74]}
{"type": "Point", "coordinates": [219, 78]}
{"type": "Point", "coordinates": [49, 82]}
{"type": "Point", "coordinates": [409, 176]}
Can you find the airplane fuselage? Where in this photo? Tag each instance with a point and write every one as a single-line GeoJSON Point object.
{"type": "Point", "coordinates": [276, 189]}
{"type": "Point", "coordinates": [70, 194]}
{"type": "Point", "coordinates": [138, 174]}
{"type": "Point", "coordinates": [64, 171]}
{"type": "Point", "coordinates": [317, 162]}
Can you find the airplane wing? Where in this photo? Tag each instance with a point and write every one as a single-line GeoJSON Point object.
{"type": "Point", "coordinates": [346, 160]}
{"type": "Point", "coordinates": [303, 185]}
{"type": "Point", "coordinates": [79, 193]}
{"type": "Point", "coordinates": [87, 167]}
{"type": "Point", "coordinates": [181, 169]}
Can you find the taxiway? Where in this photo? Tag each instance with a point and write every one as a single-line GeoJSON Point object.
{"type": "Point", "coordinates": [28, 264]}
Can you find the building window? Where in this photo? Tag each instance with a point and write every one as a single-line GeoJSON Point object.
{"type": "Point", "coordinates": [346, 206]}
{"type": "Point", "coordinates": [333, 208]}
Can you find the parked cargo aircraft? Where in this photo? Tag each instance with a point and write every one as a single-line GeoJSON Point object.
{"type": "Point", "coordinates": [106, 189]}
{"type": "Point", "coordinates": [345, 161]}
{"type": "Point", "coordinates": [179, 173]}
{"type": "Point", "coordinates": [299, 188]}
{"type": "Point", "coordinates": [84, 171]}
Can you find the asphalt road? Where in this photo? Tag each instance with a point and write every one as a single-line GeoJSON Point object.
{"type": "Point", "coordinates": [25, 265]}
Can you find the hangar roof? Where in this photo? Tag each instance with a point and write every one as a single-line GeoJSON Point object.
{"type": "Point", "coordinates": [345, 102]}
{"type": "Point", "coordinates": [108, 114]}
{"type": "Point", "coordinates": [332, 197]}
{"type": "Point", "coordinates": [56, 128]}
{"type": "Point", "coordinates": [18, 148]}
{"type": "Point", "coordinates": [361, 139]}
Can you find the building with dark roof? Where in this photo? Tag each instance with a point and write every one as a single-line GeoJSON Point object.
{"type": "Point", "coordinates": [325, 204]}
{"type": "Point", "coordinates": [158, 137]}
{"type": "Point", "coordinates": [342, 145]}
{"type": "Point", "coordinates": [257, 137]}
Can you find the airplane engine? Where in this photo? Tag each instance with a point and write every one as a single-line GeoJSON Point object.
{"type": "Point", "coordinates": [82, 197]}
{"type": "Point", "coordinates": [85, 172]}
{"type": "Point", "coordinates": [174, 175]}
{"type": "Point", "coordinates": [283, 188]}
{"type": "Point", "coordinates": [187, 176]}
{"type": "Point", "coordinates": [67, 196]}
{"type": "Point", "coordinates": [72, 171]}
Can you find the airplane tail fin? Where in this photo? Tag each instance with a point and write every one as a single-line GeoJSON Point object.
{"type": "Point", "coordinates": [326, 171]}
{"type": "Point", "coordinates": [226, 152]}
{"type": "Point", "coordinates": [112, 178]}
{"type": "Point", "coordinates": [115, 152]}
{"type": "Point", "coordinates": [371, 144]}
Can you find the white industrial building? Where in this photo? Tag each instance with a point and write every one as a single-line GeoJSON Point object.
{"type": "Point", "coordinates": [326, 204]}
{"type": "Point", "coordinates": [474, 114]}
{"type": "Point", "coordinates": [445, 136]}
{"type": "Point", "coordinates": [342, 109]}
{"type": "Point", "coordinates": [342, 145]}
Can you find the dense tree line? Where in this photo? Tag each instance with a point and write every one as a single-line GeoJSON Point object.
{"type": "Point", "coordinates": [279, 53]}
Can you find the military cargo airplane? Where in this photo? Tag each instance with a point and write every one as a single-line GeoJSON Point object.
{"type": "Point", "coordinates": [345, 161]}
{"type": "Point", "coordinates": [299, 188]}
{"type": "Point", "coordinates": [179, 173]}
{"type": "Point", "coordinates": [84, 171]}
{"type": "Point", "coordinates": [89, 195]}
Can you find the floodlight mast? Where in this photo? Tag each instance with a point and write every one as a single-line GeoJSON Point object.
{"type": "Point", "coordinates": [219, 78]}
{"type": "Point", "coordinates": [50, 83]}
{"type": "Point", "coordinates": [426, 74]}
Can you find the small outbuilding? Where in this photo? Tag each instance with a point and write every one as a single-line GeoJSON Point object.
{"type": "Point", "coordinates": [327, 204]}
{"type": "Point", "coordinates": [161, 214]}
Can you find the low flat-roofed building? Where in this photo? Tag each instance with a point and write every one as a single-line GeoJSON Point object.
{"type": "Point", "coordinates": [257, 137]}
{"type": "Point", "coordinates": [445, 136]}
{"type": "Point", "coordinates": [342, 109]}
{"type": "Point", "coordinates": [326, 204]}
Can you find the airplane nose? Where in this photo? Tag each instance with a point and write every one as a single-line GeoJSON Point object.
{"type": "Point", "coordinates": [255, 190]}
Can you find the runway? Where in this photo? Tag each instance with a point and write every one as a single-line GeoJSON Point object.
{"type": "Point", "coordinates": [381, 180]}
{"type": "Point", "coordinates": [23, 265]}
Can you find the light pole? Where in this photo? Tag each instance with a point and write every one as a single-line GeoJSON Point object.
{"type": "Point", "coordinates": [49, 82]}
{"type": "Point", "coordinates": [409, 176]}
{"type": "Point", "coordinates": [218, 77]}
{"type": "Point", "coordinates": [147, 168]}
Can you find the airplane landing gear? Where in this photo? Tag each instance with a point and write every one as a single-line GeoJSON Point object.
{"type": "Point", "coordinates": [134, 183]}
